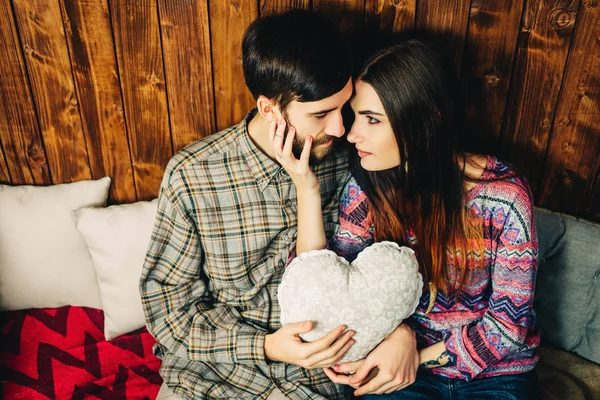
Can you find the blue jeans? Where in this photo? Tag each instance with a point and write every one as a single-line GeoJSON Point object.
{"type": "Point", "coordinates": [430, 386]}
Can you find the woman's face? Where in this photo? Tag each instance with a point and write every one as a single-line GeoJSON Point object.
{"type": "Point", "coordinates": [371, 132]}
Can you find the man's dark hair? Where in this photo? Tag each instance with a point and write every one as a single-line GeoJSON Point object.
{"type": "Point", "coordinates": [296, 55]}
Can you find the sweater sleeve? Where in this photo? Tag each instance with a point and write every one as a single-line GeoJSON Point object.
{"type": "Point", "coordinates": [355, 229]}
{"type": "Point", "coordinates": [503, 328]}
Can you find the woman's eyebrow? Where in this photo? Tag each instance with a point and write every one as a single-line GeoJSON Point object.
{"type": "Point", "coordinates": [365, 112]}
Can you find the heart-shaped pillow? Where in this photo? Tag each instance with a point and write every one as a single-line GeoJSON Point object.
{"type": "Point", "coordinates": [371, 295]}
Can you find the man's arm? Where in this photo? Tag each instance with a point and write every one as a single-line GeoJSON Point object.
{"type": "Point", "coordinates": [179, 311]}
{"type": "Point", "coordinates": [183, 317]}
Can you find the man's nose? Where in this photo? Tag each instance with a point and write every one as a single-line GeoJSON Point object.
{"type": "Point", "coordinates": [336, 127]}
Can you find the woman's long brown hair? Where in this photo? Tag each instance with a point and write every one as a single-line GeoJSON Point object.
{"type": "Point", "coordinates": [425, 194]}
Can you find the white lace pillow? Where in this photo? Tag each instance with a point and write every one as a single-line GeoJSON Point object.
{"type": "Point", "coordinates": [371, 295]}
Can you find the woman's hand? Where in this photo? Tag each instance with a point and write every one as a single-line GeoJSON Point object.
{"type": "Point", "coordinates": [298, 169]}
{"type": "Point", "coordinates": [396, 359]}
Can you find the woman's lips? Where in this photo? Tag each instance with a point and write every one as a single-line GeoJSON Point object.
{"type": "Point", "coordinates": [363, 154]}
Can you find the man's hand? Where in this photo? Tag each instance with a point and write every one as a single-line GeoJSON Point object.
{"type": "Point", "coordinates": [285, 345]}
{"type": "Point", "coordinates": [396, 359]}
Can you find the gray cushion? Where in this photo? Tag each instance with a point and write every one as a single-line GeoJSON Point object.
{"type": "Point", "coordinates": [567, 298]}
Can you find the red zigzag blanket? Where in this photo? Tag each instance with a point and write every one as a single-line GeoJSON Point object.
{"type": "Point", "coordinates": [61, 353]}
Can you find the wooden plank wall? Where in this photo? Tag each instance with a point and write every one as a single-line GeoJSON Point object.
{"type": "Point", "coordinates": [90, 88]}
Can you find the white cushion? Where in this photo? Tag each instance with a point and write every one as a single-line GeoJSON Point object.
{"type": "Point", "coordinates": [44, 262]}
{"type": "Point", "coordinates": [371, 296]}
{"type": "Point", "coordinates": [117, 238]}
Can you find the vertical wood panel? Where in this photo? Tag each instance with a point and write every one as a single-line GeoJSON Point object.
{"type": "Point", "coordinates": [229, 20]}
{"type": "Point", "coordinates": [390, 16]}
{"type": "Point", "coordinates": [177, 74]}
{"type": "Point", "coordinates": [188, 69]}
{"type": "Point", "coordinates": [43, 39]}
{"type": "Point", "coordinates": [541, 55]}
{"type": "Point", "coordinates": [487, 65]}
{"type": "Point", "coordinates": [277, 6]}
{"type": "Point", "coordinates": [23, 159]}
{"type": "Point", "coordinates": [88, 31]}
{"type": "Point", "coordinates": [139, 56]}
{"type": "Point", "coordinates": [348, 15]}
{"type": "Point", "coordinates": [4, 176]}
{"type": "Point", "coordinates": [571, 177]}
{"type": "Point", "coordinates": [446, 21]}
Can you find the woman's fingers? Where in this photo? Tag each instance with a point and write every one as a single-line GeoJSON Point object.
{"type": "Point", "coordinates": [278, 138]}
{"type": "Point", "coordinates": [372, 386]}
{"type": "Point", "coordinates": [289, 142]}
{"type": "Point", "coordinates": [349, 366]}
{"type": "Point", "coordinates": [337, 378]}
{"type": "Point", "coordinates": [363, 371]}
{"type": "Point", "coordinates": [305, 155]}
{"type": "Point", "coordinates": [391, 387]}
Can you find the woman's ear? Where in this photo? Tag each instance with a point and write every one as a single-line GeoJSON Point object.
{"type": "Point", "coordinates": [268, 109]}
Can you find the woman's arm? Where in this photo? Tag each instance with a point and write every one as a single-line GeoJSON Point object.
{"type": "Point", "coordinates": [311, 231]}
{"type": "Point", "coordinates": [434, 356]}
{"type": "Point", "coordinates": [504, 327]}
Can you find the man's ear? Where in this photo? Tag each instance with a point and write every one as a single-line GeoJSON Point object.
{"type": "Point", "coordinates": [268, 109]}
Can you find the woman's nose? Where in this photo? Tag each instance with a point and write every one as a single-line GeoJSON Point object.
{"type": "Point", "coordinates": [352, 136]}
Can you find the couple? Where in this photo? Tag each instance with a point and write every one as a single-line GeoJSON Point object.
{"type": "Point", "coordinates": [232, 205]}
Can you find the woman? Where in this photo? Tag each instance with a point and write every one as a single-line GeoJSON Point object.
{"type": "Point", "coordinates": [469, 219]}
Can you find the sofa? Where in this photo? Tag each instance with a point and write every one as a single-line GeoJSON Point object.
{"type": "Point", "coordinates": [72, 327]}
{"type": "Point", "coordinates": [567, 304]}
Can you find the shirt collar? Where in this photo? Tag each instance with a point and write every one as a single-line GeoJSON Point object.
{"type": "Point", "coordinates": [262, 167]}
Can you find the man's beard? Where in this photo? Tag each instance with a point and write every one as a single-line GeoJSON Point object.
{"type": "Point", "coordinates": [298, 146]}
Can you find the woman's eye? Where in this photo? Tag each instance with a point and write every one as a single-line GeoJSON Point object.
{"type": "Point", "coordinates": [320, 116]}
{"type": "Point", "coordinates": [372, 120]}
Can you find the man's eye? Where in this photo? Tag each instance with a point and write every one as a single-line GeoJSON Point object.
{"type": "Point", "coordinates": [372, 120]}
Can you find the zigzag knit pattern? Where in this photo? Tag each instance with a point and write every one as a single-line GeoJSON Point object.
{"type": "Point", "coordinates": [490, 328]}
{"type": "Point", "coordinates": [61, 353]}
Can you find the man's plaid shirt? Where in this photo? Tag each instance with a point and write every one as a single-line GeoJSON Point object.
{"type": "Point", "coordinates": [225, 227]}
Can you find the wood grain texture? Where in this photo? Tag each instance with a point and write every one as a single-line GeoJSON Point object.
{"type": "Point", "coordinates": [571, 181]}
{"type": "Point", "coordinates": [229, 20]}
{"type": "Point", "coordinates": [88, 32]}
{"type": "Point", "coordinates": [4, 174]}
{"type": "Point", "coordinates": [530, 72]}
{"type": "Point", "coordinates": [487, 65]}
{"type": "Point", "coordinates": [446, 22]}
{"type": "Point", "coordinates": [188, 69]}
{"type": "Point", "coordinates": [23, 159]}
{"type": "Point", "coordinates": [277, 6]}
{"type": "Point", "coordinates": [139, 56]}
{"type": "Point", "coordinates": [390, 16]}
{"type": "Point", "coordinates": [47, 58]}
{"type": "Point", "coordinates": [348, 15]}
{"type": "Point", "coordinates": [542, 51]}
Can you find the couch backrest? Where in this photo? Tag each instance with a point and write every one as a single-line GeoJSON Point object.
{"type": "Point", "coordinates": [567, 298]}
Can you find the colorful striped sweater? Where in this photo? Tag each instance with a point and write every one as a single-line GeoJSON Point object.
{"type": "Point", "coordinates": [489, 330]}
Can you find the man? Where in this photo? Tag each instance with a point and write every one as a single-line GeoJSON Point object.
{"type": "Point", "coordinates": [226, 226]}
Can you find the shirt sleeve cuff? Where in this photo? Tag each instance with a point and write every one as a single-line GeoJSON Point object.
{"type": "Point", "coordinates": [250, 348]}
